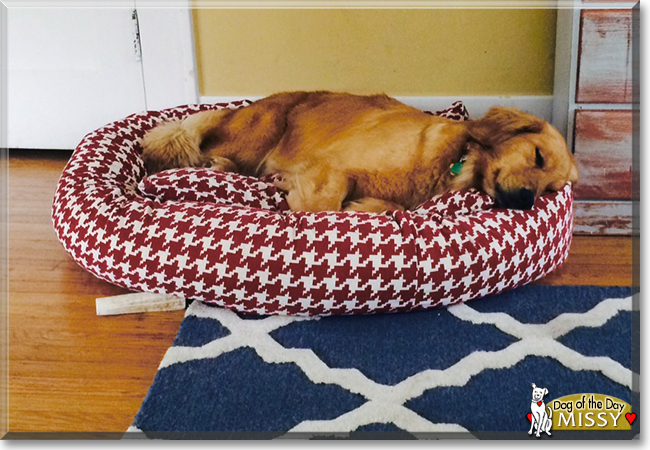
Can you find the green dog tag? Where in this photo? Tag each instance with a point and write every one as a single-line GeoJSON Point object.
{"type": "Point", "coordinates": [456, 167]}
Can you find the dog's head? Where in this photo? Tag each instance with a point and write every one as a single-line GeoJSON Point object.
{"type": "Point", "coordinates": [539, 393]}
{"type": "Point", "coordinates": [521, 157]}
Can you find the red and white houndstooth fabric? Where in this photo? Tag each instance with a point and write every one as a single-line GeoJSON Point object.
{"type": "Point", "coordinates": [230, 240]}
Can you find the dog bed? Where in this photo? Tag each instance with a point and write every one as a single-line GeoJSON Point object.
{"type": "Point", "coordinates": [231, 240]}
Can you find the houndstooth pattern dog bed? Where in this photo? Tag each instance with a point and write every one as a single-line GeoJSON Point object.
{"type": "Point", "coordinates": [231, 240]}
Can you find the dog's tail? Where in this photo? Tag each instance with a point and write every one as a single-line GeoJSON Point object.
{"type": "Point", "coordinates": [177, 143]}
{"type": "Point", "coordinates": [550, 412]}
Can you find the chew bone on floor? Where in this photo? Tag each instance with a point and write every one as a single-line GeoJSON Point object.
{"type": "Point", "coordinates": [138, 302]}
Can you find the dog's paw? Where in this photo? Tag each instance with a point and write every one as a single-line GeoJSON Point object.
{"type": "Point", "coordinates": [222, 164]}
{"type": "Point", "coordinates": [279, 181]}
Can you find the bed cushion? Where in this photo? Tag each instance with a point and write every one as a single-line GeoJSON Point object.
{"type": "Point", "coordinates": [231, 240]}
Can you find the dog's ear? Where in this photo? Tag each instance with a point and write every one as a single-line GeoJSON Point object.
{"type": "Point", "coordinates": [545, 391]}
{"type": "Point", "coordinates": [501, 123]}
{"type": "Point", "coordinates": [534, 387]}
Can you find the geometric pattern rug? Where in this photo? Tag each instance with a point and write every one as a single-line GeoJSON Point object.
{"type": "Point", "coordinates": [460, 372]}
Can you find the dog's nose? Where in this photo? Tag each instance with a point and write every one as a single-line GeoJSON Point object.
{"type": "Point", "coordinates": [517, 199]}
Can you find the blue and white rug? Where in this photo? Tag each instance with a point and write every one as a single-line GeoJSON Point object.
{"type": "Point", "coordinates": [464, 371]}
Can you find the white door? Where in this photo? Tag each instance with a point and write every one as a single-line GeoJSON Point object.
{"type": "Point", "coordinates": [70, 71]}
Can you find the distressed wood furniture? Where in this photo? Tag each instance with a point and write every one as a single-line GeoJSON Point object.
{"type": "Point", "coordinates": [595, 104]}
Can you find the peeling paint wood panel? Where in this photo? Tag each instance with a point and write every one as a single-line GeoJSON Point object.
{"type": "Point", "coordinates": [605, 62]}
{"type": "Point", "coordinates": [603, 152]}
{"type": "Point", "coordinates": [603, 217]}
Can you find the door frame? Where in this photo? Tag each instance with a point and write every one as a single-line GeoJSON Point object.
{"type": "Point", "coordinates": [168, 53]}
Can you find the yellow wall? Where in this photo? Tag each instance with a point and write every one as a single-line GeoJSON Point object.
{"type": "Point", "coordinates": [399, 52]}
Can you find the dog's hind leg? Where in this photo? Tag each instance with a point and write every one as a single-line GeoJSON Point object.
{"type": "Point", "coordinates": [317, 190]}
{"type": "Point", "coordinates": [370, 204]}
{"type": "Point", "coordinates": [549, 421]}
{"type": "Point", "coordinates": [177, 143]}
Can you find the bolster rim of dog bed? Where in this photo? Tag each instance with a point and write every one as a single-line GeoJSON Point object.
{"type": "Point", "coordinates": [230, 240]}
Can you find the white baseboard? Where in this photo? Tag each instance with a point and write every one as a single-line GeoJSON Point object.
{"type": "Point", "coordinates": [541, 105]}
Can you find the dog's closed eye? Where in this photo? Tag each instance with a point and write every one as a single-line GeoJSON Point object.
{"type": "Point", "coordinates": [539, 159]}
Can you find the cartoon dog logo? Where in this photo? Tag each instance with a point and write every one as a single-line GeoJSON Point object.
{"type": "Point", "coordinates": [538, 412]}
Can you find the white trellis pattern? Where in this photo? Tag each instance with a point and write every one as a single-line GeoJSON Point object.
{"type": "Point", "coordinates": [387, 403]}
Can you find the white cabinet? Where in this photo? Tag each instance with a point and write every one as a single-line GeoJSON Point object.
{"type": "Point", "coordinates": [72, 70]}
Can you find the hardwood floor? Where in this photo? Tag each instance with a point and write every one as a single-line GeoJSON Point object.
{"type": "Point", "coordinates": [69, 370]}
{"type": "Point", "coordinates": [72, 371]}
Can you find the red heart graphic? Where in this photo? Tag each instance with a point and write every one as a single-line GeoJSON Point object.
{"type": "Point", "coordinates": [539, 403]}
{"type": "Point", "coordinates": [530, 417]}
{"type": "Point", "coordinates": [631, 417]}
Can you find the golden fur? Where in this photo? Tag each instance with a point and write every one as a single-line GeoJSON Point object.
{"type": "Point", "coordinates": [372, 153]}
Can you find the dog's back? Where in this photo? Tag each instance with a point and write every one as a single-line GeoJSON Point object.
{"type": "Point", "coordinates": [329, 147]}
{"type": "Point", "coordinates": [368, 153]}
{"type": "Point", "coordinates": [359, 147]}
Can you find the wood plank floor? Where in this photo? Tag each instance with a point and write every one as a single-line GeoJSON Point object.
{"type": "Point", "coordinates": [71, 371]}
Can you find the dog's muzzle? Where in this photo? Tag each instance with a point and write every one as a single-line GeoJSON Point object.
{"type": "Point", "coordinates": [516, 199]}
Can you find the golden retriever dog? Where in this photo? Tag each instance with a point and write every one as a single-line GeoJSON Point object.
{"type": "Point", "coordinates": [335, 151]}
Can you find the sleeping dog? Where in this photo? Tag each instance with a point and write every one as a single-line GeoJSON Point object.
{"type": "Point", "coordinates": [334, 151]}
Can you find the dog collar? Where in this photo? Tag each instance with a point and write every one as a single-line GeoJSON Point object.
{"type": "Point", "coordinates": [457, 167]}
